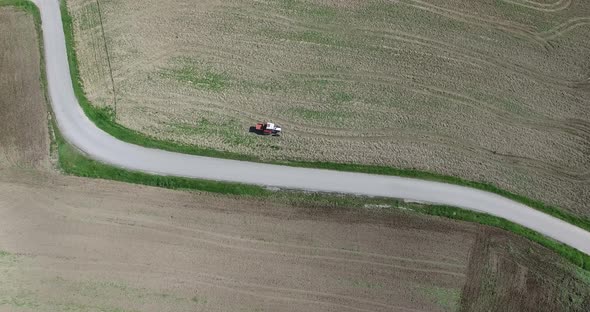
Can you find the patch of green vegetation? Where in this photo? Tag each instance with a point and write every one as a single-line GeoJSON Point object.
{"type": "Point", "coordinates": [446, 298]}
{"type": "Point", "coordinates": [317, 115]}
{"type": "Point", "coordinates": [112, 290]}
{"type": "Point", "coordinates": [8, 259]}
{"type": "Point", "coordinates": [294, 84]}
{"type": "Point", "coordinates": [584, 276]}
{"type": "Point", "coordinates": [365, 284]}
{"type": "Point", "coordinates": [77, 307]}
{"type": "Point", "coordinates": [24, 5]}
{"type": "Point", "coordinates": [199, 300]}
{"type": "Point", "coordinates": [203, 79]}
{"type": "Point", "coordinates": [315, 84]}
{"type": "Point", "coordinates": [104, 118]}
{"type": "Point", "coordinates": [270, 86]}
{"type": "Point", "coordinates": [306, 9]}
{"type": "Point", "coordinates": [230, 132]}
{"type": "Point", "coordinates": [21, 300]}
{"type": "Point", "coordinates": [340, 97]}
{"type": "Point", "coordinates": [89, 17]}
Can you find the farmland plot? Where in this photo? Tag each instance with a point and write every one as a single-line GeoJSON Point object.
{"type": "Point", "coordinates": [76, 244]}
{"type": "Point", "coordinates": [488, 90]}
{"type": "Point", "coordinates": [23, 116]}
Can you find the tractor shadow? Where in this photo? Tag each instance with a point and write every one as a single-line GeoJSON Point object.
{"type": "Point", "coordinates": [252, 129]}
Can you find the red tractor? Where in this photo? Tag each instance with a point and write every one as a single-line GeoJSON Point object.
{"type": "Point", "coordinates": [266, 128]}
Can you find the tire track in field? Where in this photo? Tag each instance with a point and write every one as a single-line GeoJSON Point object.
{"type": "Point", "coordinates": [290, 254]}
{"type": "Point", "coordinates": [565, 27]}
{"type": "Point", "coordinates": [578, 129]}
{"type": "Point", "coordinates": [166, 226]}
{"type": "Point", "coordinates": [470, 57]}
{"type": "Point", "coordinates": [522, 31]}
{"type": "Point", "coordinates": [302, 247]}
{"type": "Point", "coordinates": [284, 290]}
{"type": "Point", "coordinates": [405, 81]}
{"type": "Point", "coordinates": [556, 6]}
{"type": "Point", "coordinates": [470, 54]}
{"type": "Point", "coordinates": [210, 280]}
{"type": "Point", "coordinates": [226, 242]}
{"type": "Point", "coordinates": [128, 70]}
{"type": "Point", "coordinates": [547, 167]}
{"type": "Point", "coordinates": [387, 133]}
{"type": "Point", "coordinates": [474, 57]}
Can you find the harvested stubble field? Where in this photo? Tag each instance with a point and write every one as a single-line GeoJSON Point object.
{"type": "Point", "coordinates": [488, 90]}
{"type": "Point", "coordinates": [74, 244]}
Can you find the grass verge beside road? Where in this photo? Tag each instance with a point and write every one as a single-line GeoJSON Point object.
{"type": "Point", "coordinates": [25, 5]}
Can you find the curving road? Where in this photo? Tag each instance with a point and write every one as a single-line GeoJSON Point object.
{"type": "Point", "coordinates": [79, 131]}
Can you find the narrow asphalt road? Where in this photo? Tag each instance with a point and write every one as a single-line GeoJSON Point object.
{"type": "Point", "coordinates": [79, 131]}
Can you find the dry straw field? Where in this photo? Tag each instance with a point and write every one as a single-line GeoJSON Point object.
{"type": "Point", "coordinates": [75, 244]}
{"type": "Point", "coordinates": [487, 90]}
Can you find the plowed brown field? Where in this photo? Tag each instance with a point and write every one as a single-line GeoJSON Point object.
{"type": "Point", "coordinates": [74, 244]}
{"type": "Point", "coordinates": [487, 90]}
{"type": "Point", "coordinates": [23, 117]}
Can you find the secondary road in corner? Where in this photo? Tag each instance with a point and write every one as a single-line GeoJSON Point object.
{"type": "Point", "coordinates": [82, 133]}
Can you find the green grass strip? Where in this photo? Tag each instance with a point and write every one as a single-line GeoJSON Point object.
{"type": "Point", "coordinates": [25, 5]}
{"type": "Point", "coordinates": [104, 118]}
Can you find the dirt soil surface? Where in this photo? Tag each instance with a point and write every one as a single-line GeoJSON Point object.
{"type": "Point", "coordinates": [101, 245]}
{"type": "Point", "coordinates": [508, 273]}
{"type": "Point", "coordinates": [488, 90]}
{"type": "Point", "coordinates": [23, 116]}
{"type": "Point", "coordinates": [75, 244]}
